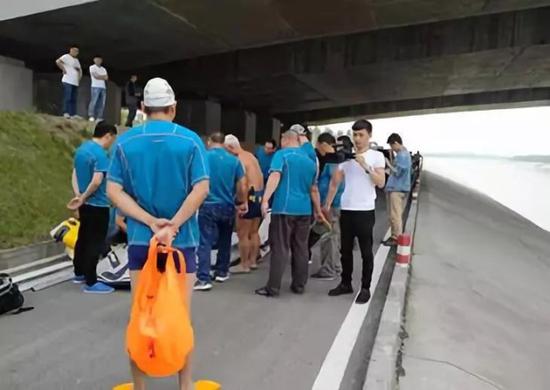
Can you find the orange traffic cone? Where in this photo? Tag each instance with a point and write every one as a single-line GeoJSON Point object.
{"type": "Point", "coordinates": [207, 385]}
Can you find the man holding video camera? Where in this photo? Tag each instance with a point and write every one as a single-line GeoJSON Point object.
{"type": "Point", "coordinates": [357, 215]}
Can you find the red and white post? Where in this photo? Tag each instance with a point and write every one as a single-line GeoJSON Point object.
{"type": "Point", "coordinates": [404, 249]}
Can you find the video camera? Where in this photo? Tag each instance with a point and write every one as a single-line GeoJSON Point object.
{"type": "Point", "coordinates": [343, 152]}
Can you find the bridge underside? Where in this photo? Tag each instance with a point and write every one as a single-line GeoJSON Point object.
{"type": "Point", "coordinates": [314, 61]}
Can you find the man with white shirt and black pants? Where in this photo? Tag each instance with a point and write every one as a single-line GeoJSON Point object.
{"type": "Point", "coordinates": [72, 73]}
{"type": "Point", "coordinates": [99, 77]}
{"type": "Point", "coordinates": [357, 216]}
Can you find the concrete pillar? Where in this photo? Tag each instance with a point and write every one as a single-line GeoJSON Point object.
{"type": "Point", "coordinates": [201, 116]}
{"type": "Point", "coordinates": [16, 85]}
{"type": "Point", "coordinates": [268, 128]}
{"type": "Point", "coordinates": [242, 124]}
{"type": "Point", "coordinates": [48, 97]}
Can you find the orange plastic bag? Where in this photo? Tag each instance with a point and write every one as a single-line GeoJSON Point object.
{"type": "Point", "coordinates": [159, 336]}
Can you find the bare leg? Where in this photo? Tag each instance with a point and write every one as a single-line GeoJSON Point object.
{"type": "Point", "coordinates": [138, 377]}
{"type": "Point", "coordinates": [243, 228]}
{"type": "Point", "coordinates": [185, 378]}
{"type": "Point", "coordinates": [254, 238]}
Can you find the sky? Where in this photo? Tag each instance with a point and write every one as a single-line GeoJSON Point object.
{"type": "Point", "coordinates": [507, 132]}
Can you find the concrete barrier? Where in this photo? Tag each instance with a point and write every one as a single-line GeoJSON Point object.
{"type": "Point", "coordinates": [381, 372]}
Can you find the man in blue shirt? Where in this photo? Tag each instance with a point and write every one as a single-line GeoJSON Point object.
{"type": "Point", "coordinates": [217, 214]}
{"type": "Point", "coordinates": [330, 244]}
{"type": "Point", "coordinates": [158, 178]}
{"type": "Point", "coordinates": [88, 182]}
{"type": "Point", "coordinates": [292, 183]}
{"type": "Point", "coordinates": [265, 155]}
{"type": "Point", "coordinates": [305, 142]}
{"type": "Point", "coordinates": [397, 187]}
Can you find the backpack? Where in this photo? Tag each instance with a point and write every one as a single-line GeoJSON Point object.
{"type": "Point", "coordinates": [10, 297]}
{"type": "Point", "coordinates": [159, 337]}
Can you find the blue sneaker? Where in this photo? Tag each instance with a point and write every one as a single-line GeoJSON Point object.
{"type": "Point", "coordinates": [98, 288]}
{"type": "Point", "coordinates": [79, 279]}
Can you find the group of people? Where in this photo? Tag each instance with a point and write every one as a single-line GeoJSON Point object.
{"type": "Point", "coordinates": [166, 184]}
{"type": "Point", "coordinates": [69, 64]}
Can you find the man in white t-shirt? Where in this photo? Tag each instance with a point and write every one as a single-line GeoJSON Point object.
{"type": "Point", "coordinates": [99, 77]}
{"type": "Point", "coordinates": [357, 216]}
{"type": "Point", "coordinates": [72, 73]}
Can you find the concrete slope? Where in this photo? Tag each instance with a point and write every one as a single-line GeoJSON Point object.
{"type": "Point", "coordinates": [479, 306]}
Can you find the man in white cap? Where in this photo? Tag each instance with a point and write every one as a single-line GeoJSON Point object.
{"type": "Point", "coordinates": [305, 142]}
{"type": "Point", "coordinates": [159, 176]}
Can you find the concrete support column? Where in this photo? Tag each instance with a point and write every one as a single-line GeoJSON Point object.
{"type": "Point", "coordinates": [268, 128]}
{"type": "Point", "coordinates": [242, 124]}
{"type": "Point", "coordinates": [201, 116]}
{"type": "Point", "coordinates": [16, 85]}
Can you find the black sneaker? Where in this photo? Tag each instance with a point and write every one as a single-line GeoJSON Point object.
{"type": "Point", "coordinates": [341, 289]}
{"type": "Point", "coordinates": [297, 290]}
{"type": "Point", "coordinates": [321, 276]}
{"type": "Point", "coordinates": [266, 292]}
{"type": "Point", "coordinates": [390, 242]}
{"type": "Point", "coordinates": [363, 296]}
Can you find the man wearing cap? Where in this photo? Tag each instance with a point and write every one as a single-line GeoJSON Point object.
{"type": "Point", "coordinates": [305, 142]}
{"type": "Point", "coordinates": [357, 214]}
{"type": "Point", "coordinates": [292, 183]}
{"type": "Point", "coordinates": [228, 189]}
{"type": "Point", "coordinates": [398, 186]}
{"type": "Point", "coordinates": [158, 179]}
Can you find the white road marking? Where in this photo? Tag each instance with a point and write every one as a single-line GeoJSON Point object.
{"type": "Point", "coordinates": [334, 366]}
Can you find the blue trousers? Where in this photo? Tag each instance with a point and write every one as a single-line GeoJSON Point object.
{"type": "Point", "coordinates": [97, 103]}
{"type": "Point", "coordinates": [216, 226]}
{"type": "Point", "coordinates": [70, 93]}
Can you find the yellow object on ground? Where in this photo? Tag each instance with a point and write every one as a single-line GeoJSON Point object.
{"type": "Point", "coordinates": [69, 238]}
{"type": "Point", "coordinates": [199, 385]}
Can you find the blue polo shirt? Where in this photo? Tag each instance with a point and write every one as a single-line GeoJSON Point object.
{"type": "Point", "coordinates": [89, 158]}
{"type": "Point", "coordinates": [158, 164]}
{"type": "Point", "coordinates": [265, 161]}
{"type": "Point", "coordinates": [293, 194]}
{"type": "Point", "coordinates": [225, 171]}
{"type": "Point", "coordinates": [324, 185]}
{"type": "Point", "coordinates": [400, 180]}
{"type": "Point", "coordinates": [310, 151]}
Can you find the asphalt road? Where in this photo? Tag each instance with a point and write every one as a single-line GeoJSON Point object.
{"type": "Point", "coordinates": [76, 341]}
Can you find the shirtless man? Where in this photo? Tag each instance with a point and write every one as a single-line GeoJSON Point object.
{"type": "Point", "coordinates": [249, 223]}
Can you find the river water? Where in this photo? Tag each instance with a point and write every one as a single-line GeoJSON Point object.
{"type": "Point", "coordinates": [523, 187]}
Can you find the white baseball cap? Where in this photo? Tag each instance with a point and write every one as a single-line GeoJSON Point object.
{"type": "Point", "coordinates": [158, 93]}
{"type": "Point", "coordinates": [298, 129]}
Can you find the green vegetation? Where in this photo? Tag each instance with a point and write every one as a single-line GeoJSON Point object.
{"type": "Point", "coordinates": [35, 170]}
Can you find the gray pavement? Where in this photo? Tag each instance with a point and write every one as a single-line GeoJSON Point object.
{"type": "Point", "coordinates": [478, 312]}
{"type": "Point", "coordinates": [74, 341]}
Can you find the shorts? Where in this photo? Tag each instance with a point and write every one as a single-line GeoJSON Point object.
{"type": "Point", "coordinates": [137, 256]}
{"type": "Point", "coordinates": [254, 204]}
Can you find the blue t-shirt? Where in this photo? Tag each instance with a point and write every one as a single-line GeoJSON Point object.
{"type": "Point", "coordinates": [324, 185]}
{"type": "Point", "coordinates": [293, 194]}
{"type": "Point", "coordinates": [265, 161]}
{"type": "Point", "coordinates": [158, 164]}
{"type": "Point", "coordinates": [225, 171]}
{"type": "Point", "coordinates": [400, 180]}
{"type": "Point", "coordinates": [90, 158]}
{"type": "Point", "coordinates": [310, 151]}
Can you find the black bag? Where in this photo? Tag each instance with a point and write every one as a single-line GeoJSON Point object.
{"type": "Point", "coordinates": [10, 297]}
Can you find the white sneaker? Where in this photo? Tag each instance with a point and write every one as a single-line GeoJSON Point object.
{"type": "Point", "coordinates": [66, 116]}
{"type": "Point", "coordinates": [202, 286]}
{"type": "Point", "coordinates": [221, 279]}
{"type": "Point", "coordinates": [92, 119]}
{"type": "Point", "coordinates": [77, 117]}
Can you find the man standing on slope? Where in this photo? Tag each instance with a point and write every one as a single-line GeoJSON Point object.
{"type": "Point", "coordinates": [357, 215]}
{"type": "Point", "coordinates": [72, 73]}
{"type": "Point", "coordinates": [158, 179]}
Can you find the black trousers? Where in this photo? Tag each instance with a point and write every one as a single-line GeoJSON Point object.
{"type": "Point", "coordinates": [288, 237]}
{"type": "Point", "coordinates": [357, 224]}
{"type": "Point", "coordinates": [132, 111]}
{"type": "Point", "coordinates": [94, 223]}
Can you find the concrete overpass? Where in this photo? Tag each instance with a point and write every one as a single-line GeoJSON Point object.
{"type": "Point", "coordinates": [239, 64]}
